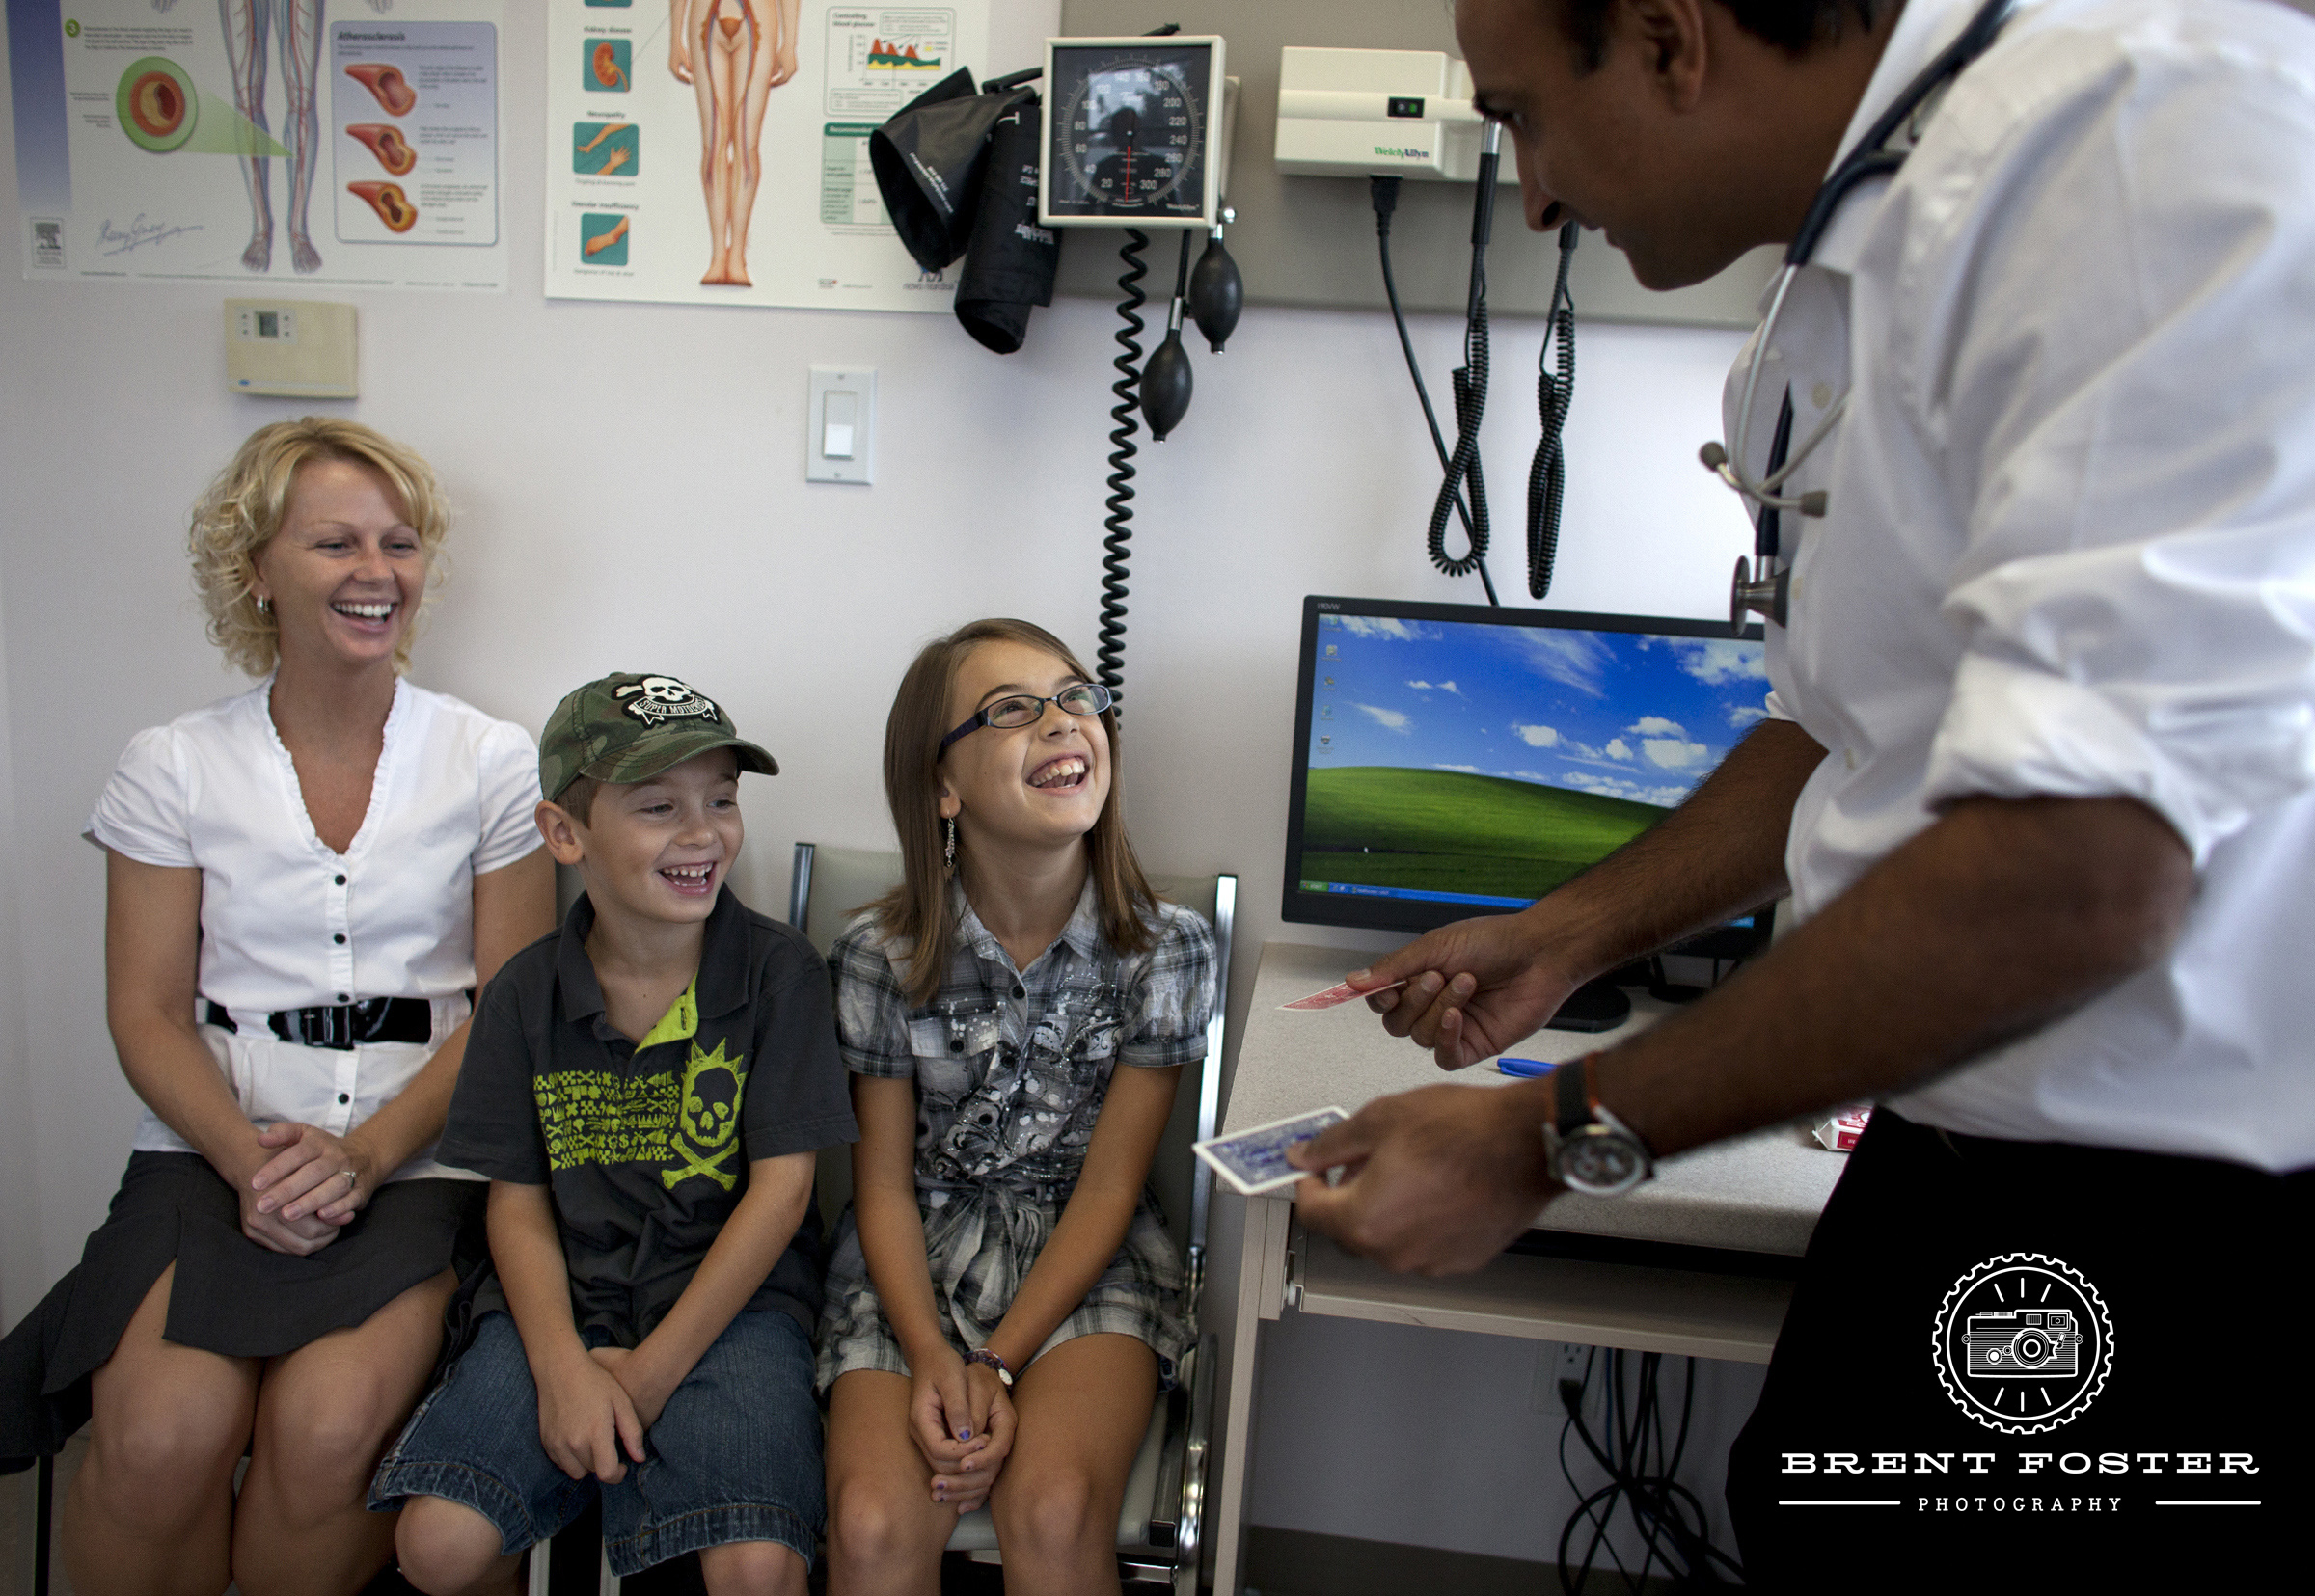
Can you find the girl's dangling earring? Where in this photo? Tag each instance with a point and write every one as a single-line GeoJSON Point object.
{"type": "Point", "coordinates": [264, 605]}
{"type": "Point", "coordinates": [948, 854]}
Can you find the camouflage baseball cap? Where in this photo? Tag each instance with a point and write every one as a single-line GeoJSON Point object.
{"type": "Point", "coordinates": [629, 727]}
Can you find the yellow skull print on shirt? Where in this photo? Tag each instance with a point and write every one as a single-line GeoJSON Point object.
{"type": "Point", "coordinates": [707, 1119]}
{"type": "Point", "coordinates": [688, 1124]}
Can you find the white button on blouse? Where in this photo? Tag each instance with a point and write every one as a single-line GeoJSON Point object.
{"type": "Point", "coordinates": [288, 923]}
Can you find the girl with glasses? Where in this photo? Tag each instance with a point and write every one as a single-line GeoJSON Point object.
{"type": "Point", "coordinates": [1003, 1300]}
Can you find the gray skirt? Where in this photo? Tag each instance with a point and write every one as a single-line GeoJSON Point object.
{"type": "Point", "coordinates": [230, 1296]}
{"type": "Point", "coordinates": [980, 1243]}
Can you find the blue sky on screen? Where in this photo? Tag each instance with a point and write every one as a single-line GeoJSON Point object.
{"type": "Point", "coordinates": [1633, 716]}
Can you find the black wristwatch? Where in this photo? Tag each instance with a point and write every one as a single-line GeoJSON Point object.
{"type": "Point", "coordinates": [1588, 1149]}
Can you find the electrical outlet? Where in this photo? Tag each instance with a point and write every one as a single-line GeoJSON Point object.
{"type": "Point", "coordinates": [1554, 1363]}
{"type": "Point", "coordinates": [1558, 1363]}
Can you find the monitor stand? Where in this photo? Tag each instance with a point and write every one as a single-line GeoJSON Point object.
{"type": "Point", "coordinates": [1593, 1006]}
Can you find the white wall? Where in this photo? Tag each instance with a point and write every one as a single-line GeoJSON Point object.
{"type": "Point", "coordinates": [19, 1204]}
{"type": "Point", "coordinates": [629, 495]}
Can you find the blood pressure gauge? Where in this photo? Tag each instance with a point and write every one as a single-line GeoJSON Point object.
{"type": "Point", "coordinates": [1133, 131]}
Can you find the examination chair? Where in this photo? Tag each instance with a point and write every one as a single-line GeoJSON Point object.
{"type": "Point", "coordinates": [1161, 1529]}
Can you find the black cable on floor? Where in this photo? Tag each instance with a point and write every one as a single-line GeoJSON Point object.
{"type": "Point", "coordinates": [1642, 1473]}
{"type": "Point", "coordinates": [1117, 548]}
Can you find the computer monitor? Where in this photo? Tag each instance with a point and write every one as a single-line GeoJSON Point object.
{"type": "Point", "coordinates": [1453, 760]}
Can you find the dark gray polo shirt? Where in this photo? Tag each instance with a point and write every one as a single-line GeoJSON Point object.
{"type": "Point", "coordinates": [645, 1148]}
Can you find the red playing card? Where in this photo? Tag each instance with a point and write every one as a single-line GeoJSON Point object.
{"type": "Point", "coordinates": [1336, 995]}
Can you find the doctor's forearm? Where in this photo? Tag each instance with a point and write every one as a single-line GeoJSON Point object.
{"type": "Point", "coordinates": [2004, 916]}
{"type": "Point", "coordinates": [1719, 854]}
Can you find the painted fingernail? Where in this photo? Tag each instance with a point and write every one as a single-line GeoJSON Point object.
{"type": "Point", "coordinates": [964, 1434]}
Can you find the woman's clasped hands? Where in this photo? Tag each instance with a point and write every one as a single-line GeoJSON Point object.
{"type": "Point", "coordinates": [310, 1187]}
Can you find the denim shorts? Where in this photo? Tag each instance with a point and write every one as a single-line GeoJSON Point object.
{"type": "Point", "coordinates": [735, 1455]}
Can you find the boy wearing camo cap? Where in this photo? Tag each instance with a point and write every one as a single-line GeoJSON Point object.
{"type": "Point", "coordinates": [647, 1090]}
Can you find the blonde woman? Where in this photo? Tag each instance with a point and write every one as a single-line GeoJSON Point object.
{"type": "Point", "coordinates": [304, 884]}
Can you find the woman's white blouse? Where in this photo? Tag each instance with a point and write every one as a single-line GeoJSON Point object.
{"type": "Point", "coordinates": [286, 923]}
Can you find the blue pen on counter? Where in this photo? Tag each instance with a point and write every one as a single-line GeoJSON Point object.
{"type": "Point", "coordinates": [1524, 1066]}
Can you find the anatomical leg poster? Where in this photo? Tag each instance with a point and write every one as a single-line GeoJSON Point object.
{"type": "Point", "coordinates": [350, 143]}
{"type": "Point", "coordinates": [716, 152]}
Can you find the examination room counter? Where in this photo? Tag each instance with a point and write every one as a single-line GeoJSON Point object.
{"type": "Point", "coordinates": [1698, 1262]}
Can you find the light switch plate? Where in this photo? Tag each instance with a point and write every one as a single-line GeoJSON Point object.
{"type": "Point", "coordinates": [297, 348]}
{"type": "Point", "coordinates": [826, 440]}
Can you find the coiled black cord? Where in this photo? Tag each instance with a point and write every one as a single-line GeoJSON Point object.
{"type": "Point", "coordinates": [1385, 191]}
{"type": "Point", "coordinates": [1463, 471]}
{"type": "Point", "coordinates": [1109, 657]}
{"type": "Point", "coordinates": [1547, 475]}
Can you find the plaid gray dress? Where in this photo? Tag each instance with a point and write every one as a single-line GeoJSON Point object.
{"type": "Point", "coordinates": [1011, 1069]}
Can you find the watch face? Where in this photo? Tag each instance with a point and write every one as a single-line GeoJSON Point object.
{"type": "Point", "coordinates": [1600, 1164]}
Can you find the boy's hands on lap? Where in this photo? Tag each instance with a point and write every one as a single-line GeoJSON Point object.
{"type": "Point", "coordinates": [633, 1372]}
{"type": "Point", "coordinates": [585, 1417]}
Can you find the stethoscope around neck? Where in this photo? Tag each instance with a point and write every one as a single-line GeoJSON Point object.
{"type": "Point", "coordinates": [1763, 584]}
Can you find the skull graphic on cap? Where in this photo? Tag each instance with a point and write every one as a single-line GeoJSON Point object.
{"type": "Point", "coordinates": [656, 699]}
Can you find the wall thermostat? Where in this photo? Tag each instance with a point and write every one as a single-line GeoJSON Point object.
{"type": "Point", "coordinates": [1133, 132]}
{"type": "Point", "coordinates": [294, 348]}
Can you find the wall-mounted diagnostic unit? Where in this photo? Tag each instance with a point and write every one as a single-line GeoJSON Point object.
{"type": "Point", "coordinates": [1387, 113]}
{"type": "Point", "coordinates": [291, 348]}
{"type": "Point", "coordinates": [1133, 132]}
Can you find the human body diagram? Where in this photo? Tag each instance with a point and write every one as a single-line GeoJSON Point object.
{"type": "Point", "coordinates": [249, 27]}
{"type": "Point", "coordinates": [733, 53]}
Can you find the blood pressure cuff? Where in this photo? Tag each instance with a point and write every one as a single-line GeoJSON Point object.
{"type": "Point", "coordinates": [1012, 260]}
{"type": "Point", "coordinates": [929, 160]}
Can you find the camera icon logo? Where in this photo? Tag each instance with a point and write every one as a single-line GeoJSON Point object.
{"type": "Point", "coordinates": [2023, 1345]}
{"type": "Point", "coordinates": [2023, 1342]}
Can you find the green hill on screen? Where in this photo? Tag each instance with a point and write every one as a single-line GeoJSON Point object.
{"type": "Point", "coordinates": [1450, 832]}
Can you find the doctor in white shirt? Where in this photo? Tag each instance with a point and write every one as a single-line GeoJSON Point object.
{"type": "Point", "coordinates": [2039, 772]}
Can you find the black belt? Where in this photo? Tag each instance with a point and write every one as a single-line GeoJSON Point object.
{"type": "Point", "coordinates": [343, 1025]}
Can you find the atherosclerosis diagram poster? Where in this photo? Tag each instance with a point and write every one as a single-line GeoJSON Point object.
{"type": "Point", "coordinates": [716, 152]}
{"type": "Point", "coordinates": [330, 142]}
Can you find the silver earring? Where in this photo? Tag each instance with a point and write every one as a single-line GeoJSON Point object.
{"type": "Point", "coordinates": [264, 605]}
{"type": "Point", "coordinates": [948, 855]}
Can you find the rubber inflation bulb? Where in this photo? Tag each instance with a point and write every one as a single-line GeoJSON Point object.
{"type": "Point", "coordinates": [1165, 386]}
{"type": "Point", "coordinates": [1218, 293]}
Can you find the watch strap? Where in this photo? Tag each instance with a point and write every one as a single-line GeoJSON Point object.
{"type": "Point", "coordinates": [1571, 1095]}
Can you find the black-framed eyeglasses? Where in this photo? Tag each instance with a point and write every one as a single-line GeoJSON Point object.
{"type": "Point", "coordinates": [1027, 709]}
